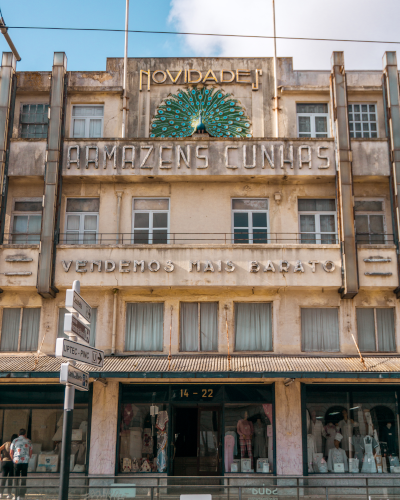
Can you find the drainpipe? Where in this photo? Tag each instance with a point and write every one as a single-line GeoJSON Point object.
{"type": "Point", "coordinates": [119, 196]}
{"type": "Point", "coordinates": [114, 325]}
{"type": "Point", "coordinates": [124, 99]}
{"type": "Point", "coordinates": [275, 78]}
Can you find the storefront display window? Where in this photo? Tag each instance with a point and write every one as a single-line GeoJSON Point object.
{"type": "Point", "coordinates": [351, 431]}
{"type": "Point", "coordinates": [39, 410]}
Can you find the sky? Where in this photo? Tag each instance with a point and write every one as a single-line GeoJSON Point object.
{"type": "Point", "coordinates": [343, 19]}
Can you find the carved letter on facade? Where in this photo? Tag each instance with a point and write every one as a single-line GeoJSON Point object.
{"type": "Point", "coordinates": [290, 160]}
{"type": "Point", "coordinates": [164, 163]}
{"type": "Point", "coordinates": [208, 267]}
{"type": "Point", "coordinates": [284, 266]}
{"type": "Point", "coordinates": [312, 263]}
{"type": "Point", "coordinates": [194, 263]}
{"type": "Point", "coordinates": [123, 264]}
{"type": "Point", "coordinates": [138, 263]}
{"type": "Point", "coordinates": [169, 266]}
{"type": "Point", "coordinates": [109, 266]}
{"type": "Point", "coordinates": [253, 165]}
{"type": "Point", "coordinates": [154, 266]}
{"type": "Point", "coordinates": [202, 157]}
{"type": "Point", "coordinates": [96, 156]}
{"type": "Point", "coordinates": [329, 266]}
{"type": "Point", "coordinates": [79, 266]}
{"type": "Point", "coordinates": [227, 148]}
{"type": "Point", "coordinates": [69, 160]}
{"type": "Point", "coordinates": [107, 155]}
{"type": "Point", "coordinates": [180, 154]}
{"type": "Point", "coordinates": [95, 263]}
{"type": "Point", "coordinates": [229, 267]}
{"type": "Point", "coordinates": [270, 158]}
{"type": "Point", "coordinates": [298, 268]}
{"type": "Point", "coordinates": [254, 266]}
{"type": "Point", "coordinates": [66, 265]}
{"type": "Point", "coordinates": [322, 157]}
{"type": "Point", "coordinates": [308, 159]}
{"type": "Point", "coordinates": [269, 267]}
{"type": "Point", "coordinates": [124, 156]}
{"type": "Point", "coordinates": [150, 149]}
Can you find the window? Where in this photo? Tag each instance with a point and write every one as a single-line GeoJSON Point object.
{"type": "Point", "coordinates": [87, 121]}
{"type": "Point", "coordinates": [144, 326]}
{"type": "Point", "coordinates": [20, 329]}
{"type": "Point", "coordinates": [62, 335]}
{"type": "Point", "coordinates": [150, 220]}
{"type": "Point", "coordinates": [317, 220]}
{"type": "Point", "coordinates": [199, 326]}
{"type": "Point", "coordinates": [319, 330]}
{"type": "Point", "coordinates": [362, 120]}
{"type": "Point", "coordinates": [370, 221]}
{"type": "Point", "coordinates": [312, 120]}
{"type": "Point", "coordinates": [82, 220]}
{"type": "Point", "coordinates": [27, 221]}
{"type": "Point", "coordinates": [250, 220]}
{"type": "Point", "coordinates": [253, 326]}
{"type": "Point", "coordinates": [34, 120]}
{"type": "Point", "coordinates": [375, 329]}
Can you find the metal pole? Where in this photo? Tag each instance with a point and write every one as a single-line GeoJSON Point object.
{"type": "Point", "coordinates": [66, 441]}
{"type": "Point", "coordinates": [124, 105]}
{"type": "Point", "coordinates": [275, 76]}
{"type": "Point", "coordinates": [4, 31]}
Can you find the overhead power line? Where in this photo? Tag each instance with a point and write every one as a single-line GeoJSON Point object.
{"type": "Point", "coordinates": [150, 32]}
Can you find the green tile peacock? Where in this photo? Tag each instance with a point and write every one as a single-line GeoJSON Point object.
{"type": "Point", "coordinates": [200, 110]}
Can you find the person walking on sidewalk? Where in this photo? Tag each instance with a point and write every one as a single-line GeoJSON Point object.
{"type": "Point", "coordinates": [7, 467]}
{"type": "Point", "coordinates": [21, 452]}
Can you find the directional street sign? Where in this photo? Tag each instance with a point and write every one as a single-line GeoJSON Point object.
{"type": "Point", "coordinates": [75, 303]}
{"type": "Point", "coordinates": [74, 326]}
{"type": "Point", "coordinates": [70, 374]}
{"type": "Point", "coordinates": [79, 352]}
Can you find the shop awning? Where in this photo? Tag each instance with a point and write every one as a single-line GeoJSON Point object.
{"type": "Point", "coordinates": [201, 366]}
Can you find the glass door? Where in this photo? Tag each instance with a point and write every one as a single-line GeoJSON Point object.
{"type": "Point", "coordinates": [209, 450]}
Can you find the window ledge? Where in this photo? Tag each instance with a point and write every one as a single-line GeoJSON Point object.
{"type": "Point", "coordinates": [15, 246]}
{"type": "Point", "coordinates": [385, 246]}
{"type": "Point", "coordinates": [208, 246]}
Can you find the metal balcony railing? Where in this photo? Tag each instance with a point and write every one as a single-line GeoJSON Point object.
{"type": "Point", "coordinates": [165, 238]}
{"type": "Point", "coordinates": [375, 239]}
{"type": "Point", "coordinates": [21, 239]}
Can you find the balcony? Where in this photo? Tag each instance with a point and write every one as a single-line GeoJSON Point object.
{"type": "Point", "coordinates": [27, 157]}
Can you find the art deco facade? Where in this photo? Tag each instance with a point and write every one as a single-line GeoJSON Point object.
{"type": "Point", "coordinates": [231, 271]}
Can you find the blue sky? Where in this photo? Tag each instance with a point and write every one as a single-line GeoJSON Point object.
{"type": "Point", "coordinates": [362, 19]}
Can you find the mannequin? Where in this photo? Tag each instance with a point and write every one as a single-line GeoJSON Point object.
{"type": "Point", "coordinates": [370, 445]}
{"type": "Point", "coordinates": [316, 429]}
{"type": "Point", "coordinates": [337, 455]}
{"type": "Point", "coordinates": [358, 444]}
{"type": "Point", "coordinates": [329, 433]}
{"type": "Point", "coordinates": [346, 426]}
{"type": "Point", "coordinates": [389, 437]}
{"type": "Point", "coordinates": [311, 449]}
{"type": "Point", "coordinates": [260, 439]}
{"type": "Point", "coordinates": [245, 430]}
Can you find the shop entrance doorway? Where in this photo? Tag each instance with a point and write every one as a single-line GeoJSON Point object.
{"type": "Point", "coordinates": [196, 436]}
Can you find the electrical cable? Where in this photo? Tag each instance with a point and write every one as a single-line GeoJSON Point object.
{"type": "Point", "coordinates": [151, 32]}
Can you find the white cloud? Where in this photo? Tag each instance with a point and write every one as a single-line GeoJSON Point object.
{"type": "Point", "coordinates": [343, 19]}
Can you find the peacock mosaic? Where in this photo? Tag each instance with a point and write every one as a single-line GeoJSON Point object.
{"type": "Point", "coordinates": [201, 111]}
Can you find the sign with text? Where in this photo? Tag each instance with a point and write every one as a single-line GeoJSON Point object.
{"type": "Point", "coordinates": [70, 374]}
{"type": "Point", "coordinates": [79, 352]}
{"type": "Point", "coordinates": [74, 326]}
{"type": "Point", "coordinates": [75, 303]}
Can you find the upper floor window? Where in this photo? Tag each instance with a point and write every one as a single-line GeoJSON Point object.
{"type": "Point", "coordinates": [34, 120]}
{"type": "Point", "coordinates": [317, 221]}
{"type": "Point", "coordinates": [362, 120]}
{"type": "Point", "coordinates": [370, 221]}
{"type": "Point", "coordinates": [312, 119]}
{"type": "Point", "coordinates": [199, 326]}
{"type": "Point", "coordinates": [375, 329]}
{"type": "Point", "coordinates": [250, 220]}
{"type": "Point", "coordinates": [253, 326]}
{"type": "Point", "coordinates": [150, 220]}
{"type": "Point", "coordinates": [319, 330]}
{"type": "Point", "coordinates": [82, 221]}
{"type": "Point", "coordinates": [20, 329]}
{"type": "Point", "coordinates": [93, 320]}
{"type": "Point", "coordinates": [144, 326]}
{"type": "Point", "coordinates": [87, 121]}
{"type": "Point", "coordinates": [26, 220]}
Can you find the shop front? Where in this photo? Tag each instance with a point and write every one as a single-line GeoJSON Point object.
{"type": "Point", "coordinates": [196, 430]}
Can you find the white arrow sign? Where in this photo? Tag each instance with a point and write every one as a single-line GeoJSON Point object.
{"type": "Point", "coordinates": [72, 375]}
{"type": "Point", "coordinates": [74, 326]}
{"type": "Point", "coordinates": [79, 352]}
{"type": "Point", "coordinates": [75, 303]}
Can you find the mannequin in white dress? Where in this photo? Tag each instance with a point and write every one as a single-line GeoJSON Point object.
{"type": "Point", "coordinates": [346, 426]}
{"type": "Point", "coordinates": [317, 430]}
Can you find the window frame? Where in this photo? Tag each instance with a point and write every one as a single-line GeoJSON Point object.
{"type": "Point", "coordinates": [338, 309]}
{"type": "Point", "coordinates": [20, 326]}
{"type": "Point", "coordinates": [81, 230]}
{"type": "Point", "coordinates": [42, 123]}
{"type": "Point", "coordinates": [377, 349]}
{"type": "Point", "coordinates": [126, 302]}
{"type": "Point", "coordinates": [312, 121]}
{"type": "Point", "coordinates": [235, 350]}
{"type": "Point", "coordinates": [368, 213]}
{"type": "Point", "coordinates": [370, 132]}
{"type": "Point", "coordinates": [152, 212]}
{"type": "Point", "coordinates": [317, 226]}
{"type": "Point", "coordinates": [198, 324]}
{"type": "Point", "coordinates": [20, 213]}
{"type": "Point", "coordinates": [250, 225]}
{"type": "Point", "coordinates": [87, 120]}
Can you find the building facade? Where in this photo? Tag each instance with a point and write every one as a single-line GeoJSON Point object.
{"type": "Point", "coordinates": [245, 280]}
